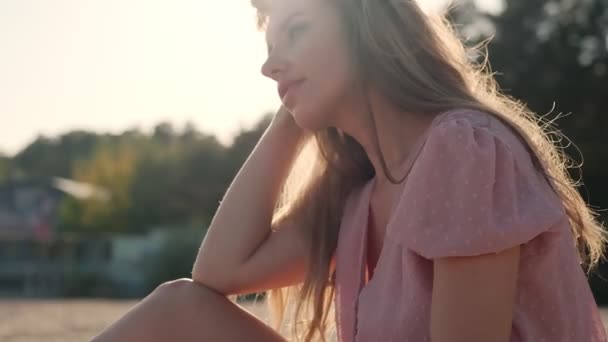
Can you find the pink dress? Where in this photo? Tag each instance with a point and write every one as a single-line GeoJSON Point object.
{"type": "Point", "coordinates": [471, 189]}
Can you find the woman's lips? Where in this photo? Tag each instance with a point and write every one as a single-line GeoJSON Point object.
{"type": "Point", "coordinates": [284, 88]}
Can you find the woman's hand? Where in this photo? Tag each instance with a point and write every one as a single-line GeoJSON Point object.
{"type": "Point", "coordinates": [284, 118]}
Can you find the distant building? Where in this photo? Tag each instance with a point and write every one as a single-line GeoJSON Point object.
{"type": "Point", "coordinates": [36, 261]}
{"type": "Point", "coordinates": [78, 265]}
{"type": "Point", "coordinates": [29, 209]}
{"type": "Point", "coordinates": [33, 260]}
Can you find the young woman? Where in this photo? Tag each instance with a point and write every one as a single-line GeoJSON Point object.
{"type": "Point", "coordinates": [397, 183]}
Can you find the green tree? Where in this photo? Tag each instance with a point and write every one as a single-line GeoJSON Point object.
{"type": "Point", "coordinates": [111, 169]}
{"type": "Point", "coordinates": [244, 142]}
{"type": "Point", "coordinates": [5, 168]}
{"type": "Point", "coordinates": [47, 157]}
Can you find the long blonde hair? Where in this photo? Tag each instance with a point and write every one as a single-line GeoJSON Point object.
{"type": "Point", "coordinates": [418, 62]}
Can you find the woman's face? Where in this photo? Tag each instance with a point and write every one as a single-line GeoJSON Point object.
{"type": "Point", "coordinates": [308, 58]}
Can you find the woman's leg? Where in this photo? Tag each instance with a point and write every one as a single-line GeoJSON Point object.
{"type": "Point", "coordinates": [183, 310]}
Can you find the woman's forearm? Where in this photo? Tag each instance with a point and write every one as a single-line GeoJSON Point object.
{"type": "Point", "coordinates": [243, 219]}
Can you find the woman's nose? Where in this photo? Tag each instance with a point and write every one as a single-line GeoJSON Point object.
{"type": "Point", "coordinates": [273, 67]}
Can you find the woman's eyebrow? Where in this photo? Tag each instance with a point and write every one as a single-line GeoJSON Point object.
{"type": "Point", "coordinates": [282, 26]}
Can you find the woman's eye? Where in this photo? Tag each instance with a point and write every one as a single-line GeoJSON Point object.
{"type": "Point", "coordinates": [295, 31]}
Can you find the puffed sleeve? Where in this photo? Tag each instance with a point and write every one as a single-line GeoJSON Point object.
{"type": "Point", "coordinates": [472, 191]}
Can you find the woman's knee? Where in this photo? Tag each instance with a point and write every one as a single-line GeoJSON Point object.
{"type": "Point", "coordinates": [185, 291]}
{"type": "Point", "coordinates": [175, 285]}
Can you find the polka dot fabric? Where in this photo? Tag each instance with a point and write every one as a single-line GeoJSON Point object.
{"type": "Point", "coordinates": [472, 189]}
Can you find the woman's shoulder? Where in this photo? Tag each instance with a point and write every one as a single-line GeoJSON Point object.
{"type": "Point", "coordinates": [456, 125]}
{"type": "Point", "coordinates": [472, 190]}
{"type": "Point", "coordinates": [475, 119]}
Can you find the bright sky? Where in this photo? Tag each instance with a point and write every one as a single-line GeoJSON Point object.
{"type": "Point", "coordinates": [112, 65]}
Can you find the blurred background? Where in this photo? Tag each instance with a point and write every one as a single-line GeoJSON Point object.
{"type": "Point", "coordinates": [123, 123]}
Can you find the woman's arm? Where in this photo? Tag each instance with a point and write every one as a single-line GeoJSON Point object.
{"type": "Point", "coordinates": [227, 260]}
{"type": "Point", "coordinates": [474, 297]}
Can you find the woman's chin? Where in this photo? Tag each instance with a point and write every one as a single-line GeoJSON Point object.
{"type": "Point", "coordinates": [308, 120]}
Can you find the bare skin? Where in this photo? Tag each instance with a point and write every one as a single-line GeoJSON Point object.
{"type": "Point", "coordinates": [183, 310]}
